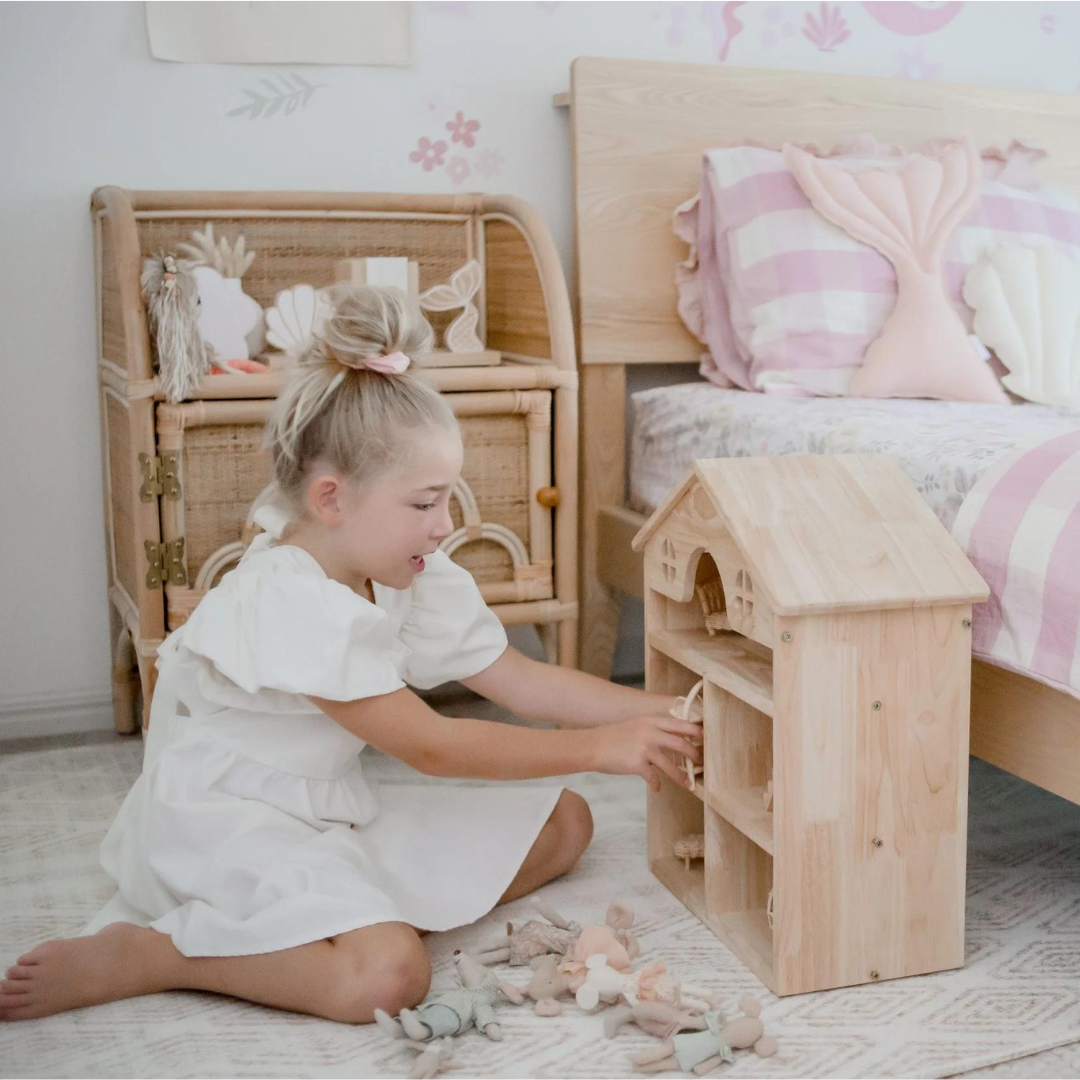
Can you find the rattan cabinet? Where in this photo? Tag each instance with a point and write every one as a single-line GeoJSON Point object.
{"type": "Point", "coordinates": [180, 478]}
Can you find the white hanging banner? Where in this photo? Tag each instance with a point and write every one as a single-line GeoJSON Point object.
{"type": "Point", "coordinates": [280, 32]}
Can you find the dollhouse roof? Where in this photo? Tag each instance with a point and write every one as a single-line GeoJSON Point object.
{"type": "Point", "coordinates": [826, 531]}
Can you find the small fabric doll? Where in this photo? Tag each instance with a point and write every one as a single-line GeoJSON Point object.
{"type": "Point", "coordinates": [455, 1012]}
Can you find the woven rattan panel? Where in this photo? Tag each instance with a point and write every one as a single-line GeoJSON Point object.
{"type": "Point", "coordinates": [127, 560]}
{"type": "Point", "coordinates": [294, 251]}
{"type": "Point", "coordinates": [112, 326]}
{"type": "Point", "coordinates": [223, 469]}
{"type": "Point", "coordinates": [497, 470]}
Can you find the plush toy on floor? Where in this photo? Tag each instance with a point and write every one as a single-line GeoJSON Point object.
{"type": "Point", "coordinates": [613, 940]}
{"type": "Point", "coordinates": [532, 939]}
{"type": "Point", "coordinates": [606, 985]}
{"type": "Point", "coordinates": [654, 1018]}
{"type": "Point", "coordinates": [546, 986]}
{"type": "Point", "coordinates": [455, 1012]}
{"type": "Point", "coordinates": [701, 1051]}
{"type": "Point", "coordinates": [434, 1056]}
{"type": "Point", "coordinates": [563, 937]}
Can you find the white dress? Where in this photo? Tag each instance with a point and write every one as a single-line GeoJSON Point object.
{"type": "Point", "coordinates": [253, 827]}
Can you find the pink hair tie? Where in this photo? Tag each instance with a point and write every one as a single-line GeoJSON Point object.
{"type": "Point", "coordinates": [396, 363]}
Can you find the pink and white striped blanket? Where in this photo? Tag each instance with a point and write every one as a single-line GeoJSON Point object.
{"type": "Point", "coordinates": [1020, 527]}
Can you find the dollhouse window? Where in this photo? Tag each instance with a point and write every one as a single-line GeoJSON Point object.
{"type": "Point", "coordinates": [667, 560]}
{"type": "Point", "coordinates": [742, 601]}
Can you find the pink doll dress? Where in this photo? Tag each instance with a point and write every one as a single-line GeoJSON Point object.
{"type": "Point", "coordinates": [253, 826]}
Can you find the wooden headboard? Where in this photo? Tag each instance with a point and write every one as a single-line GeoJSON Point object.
{"type": "Point", "coordinates": [639, 131]}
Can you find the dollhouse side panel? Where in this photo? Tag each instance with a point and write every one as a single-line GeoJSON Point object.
{"type": "Point", "coordinates": [870, 770]}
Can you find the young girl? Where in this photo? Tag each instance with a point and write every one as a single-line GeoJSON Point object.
{"type": "Point", "coordinates": [254, 855]}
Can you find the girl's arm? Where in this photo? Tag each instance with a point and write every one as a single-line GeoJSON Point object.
{"type": "Point", "coordinates": [404, 726]}
{"type": "Point", "coordinates": [556, 695]}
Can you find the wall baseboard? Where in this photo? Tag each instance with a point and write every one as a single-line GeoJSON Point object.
{"type": "Point", "coordinates": [59, 713]}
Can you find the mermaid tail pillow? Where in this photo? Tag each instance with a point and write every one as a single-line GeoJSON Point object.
{"type": "Point", "coordinates": [907, 215]}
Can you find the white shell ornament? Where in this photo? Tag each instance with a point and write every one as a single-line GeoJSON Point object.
{"type": "Point", "coordinates": [294, 319]}
{"type": "Point", "coordinates": [1027, 309]}
{"type": "Point", "coordinates": [460, 336]}
{"type": "Point", "coordinates": [226, 313]}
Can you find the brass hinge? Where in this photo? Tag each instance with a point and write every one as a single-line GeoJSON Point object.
{"type": "Point", "coordinates": [166, 563]}
{"type": "Point", "coordinates": [160, 476]}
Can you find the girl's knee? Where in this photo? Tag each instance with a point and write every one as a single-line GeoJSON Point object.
{"type": "Point", "coordinates": [574, 822]}
{"type": "Point", "coordinates": [399, 982]}
{"type": "Point", "coordinates": [391, 972]}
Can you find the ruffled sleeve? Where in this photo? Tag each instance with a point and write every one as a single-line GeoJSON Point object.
{"type": "Point", "coordinates": [451, 633]}
{"type": "Point", "coordinates": [275, 623]}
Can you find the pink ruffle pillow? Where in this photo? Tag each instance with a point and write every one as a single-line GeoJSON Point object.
{"type": "Point", "coordinates": [787, 302]}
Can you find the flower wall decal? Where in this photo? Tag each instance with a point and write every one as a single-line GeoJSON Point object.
{"type": "Point", "coordinates": [915, 65]}
{"type": "Point", "coordinates": [458, 169]}
{"type": "Point", "coordinates": [462, 130]}
{"type": "Point", "coordinates": [778, 26]}
{"type": "Point", "coordinates": [489, 163]}
{"type": "Point", "coordinates": [428, 154]}
{"type": "Point", "coordinates": [431, 154]}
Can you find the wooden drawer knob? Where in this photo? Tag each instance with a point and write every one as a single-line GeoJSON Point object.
{"type": "Point", "coordinates": [548, 496]}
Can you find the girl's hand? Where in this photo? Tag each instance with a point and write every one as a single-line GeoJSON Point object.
{"type": "Point", "coordinates": [643, 746]}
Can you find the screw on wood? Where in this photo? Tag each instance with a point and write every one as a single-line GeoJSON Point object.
{"type": "Point", "coordinates": [786, 635]}
{"type": "Point", "coordinates": [875, 974]}
{"type": "Point", "coordinates": [876, 841]}
{"type": "Point", "coordinates": [876, 706]}
{"type": "Point", "coordinates": [966, 624]}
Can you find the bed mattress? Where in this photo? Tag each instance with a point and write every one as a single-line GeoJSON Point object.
{"type": "Point", "coordinates": [943, 446]}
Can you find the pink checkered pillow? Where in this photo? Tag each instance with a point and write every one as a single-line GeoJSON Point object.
{"type": "Point", "coordinates": [787, 302]}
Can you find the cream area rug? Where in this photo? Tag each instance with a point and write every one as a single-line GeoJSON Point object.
{"type": "Point", "coordinates": [1018, 995]}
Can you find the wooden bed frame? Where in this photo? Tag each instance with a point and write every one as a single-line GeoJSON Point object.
{"type": "Point", "coordinates": [639, 129]}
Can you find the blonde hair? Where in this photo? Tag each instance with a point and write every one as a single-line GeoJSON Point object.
{"type": "Point", "coordinates": [339, 410]}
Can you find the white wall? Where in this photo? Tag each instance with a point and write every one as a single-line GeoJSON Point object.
{"type": "Point", "coordinates": [84, 104]}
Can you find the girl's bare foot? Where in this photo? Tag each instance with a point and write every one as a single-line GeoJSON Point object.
{"type": "Point", "coordinates": [69, 973]}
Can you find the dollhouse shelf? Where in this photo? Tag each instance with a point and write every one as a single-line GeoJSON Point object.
{"type": "Point", "coordinates": [741, 666]}
{"type": "Point", "coordinates": [752, 937]}
{"type": "Point", "coordinates": [742, 807]}
{"type": "Point", "coordinates": [745, 809]}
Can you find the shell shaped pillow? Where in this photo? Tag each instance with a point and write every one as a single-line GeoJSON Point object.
{"type": "Point", "coordinates": [1027, 309]}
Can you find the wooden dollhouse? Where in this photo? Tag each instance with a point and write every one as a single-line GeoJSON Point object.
{"type": "Point", "coordinates": [827, 613]}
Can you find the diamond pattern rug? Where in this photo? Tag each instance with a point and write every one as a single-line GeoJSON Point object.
{"type": "Point", "coordinates": [1018, 994]}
